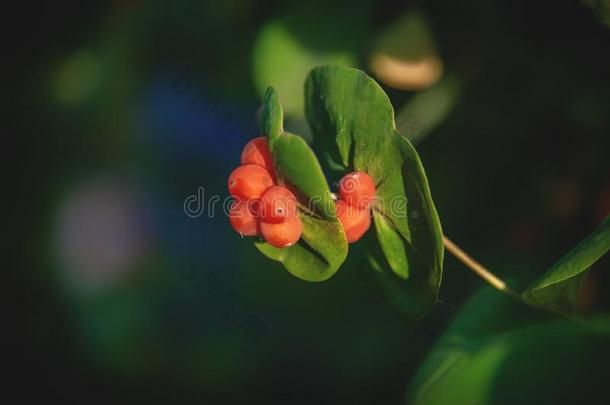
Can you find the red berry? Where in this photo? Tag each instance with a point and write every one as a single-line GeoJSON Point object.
{"type": "Point", "coordinates": [357, 189]}
{"type": "Point", "coordinates": [356, 221]}
{"type": "Point", "coordinates": [249, 181]}
{"type": "Point", "coordinates": [283, 234]}
{"type": "Point", "coordinates": [276, 204]}
{"type": "Point", "coordinates": [256, 152]}
{"type": "Point", "coordinates": [242, 219]}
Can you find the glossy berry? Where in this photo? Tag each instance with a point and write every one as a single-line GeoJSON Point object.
{"type": "Point", "coordinates": [249, 181]}
{"type": "Point", "coordinates": [283, 234]}
{"type": "Point", "coordinates": [242, 219]}
{"type": "Point", "coordinates": [276, 204]}
{"type": "Point", "coordinates": [356, 221]}
{"type": "Point", "coordinates": [357, 189]}
{"type": "Point", "coordinates": [256, 152]}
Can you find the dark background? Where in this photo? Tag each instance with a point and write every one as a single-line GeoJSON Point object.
{"type": "Point", "coordinates": [124, 108]}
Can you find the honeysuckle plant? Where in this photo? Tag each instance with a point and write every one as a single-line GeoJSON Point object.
{"type": "Point", "coordinates": [355, 140]}
{"type": "Point", "coordinates": [352, 120]}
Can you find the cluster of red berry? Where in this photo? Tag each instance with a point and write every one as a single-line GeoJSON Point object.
{"type": "Point", "coordinates": [357, 191]}
{"type": "Point", "coordinates": [262, 207]}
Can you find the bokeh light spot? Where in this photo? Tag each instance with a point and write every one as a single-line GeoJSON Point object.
{"type": "Point", "coordinates": [405, 55]}
{"type": "Point", "coordinates": [100, 233]}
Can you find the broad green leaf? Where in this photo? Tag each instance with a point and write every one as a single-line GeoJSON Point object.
{"type": "Point", "coordinates": [323, 246]}
{"type": "Point", "coordinates": [558, 288]}
{"type": "Point", "coordinates": [498, 350]}
{"type": "Point", "coordinates": [353, 124]}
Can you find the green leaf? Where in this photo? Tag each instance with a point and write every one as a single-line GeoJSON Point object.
{"type": "Point", "coordinates": [323, 246]}
{"type": "Point", "coordinates": [558, 289]}
{"type": "Point", "coordinates": [298, 168]}
{"type": "Point", "coordinates": [413, 298]}
{"type": "Point", "coordinates": [353, 124]}
{"type": "Point", "coordinates": [317, 256]}
{"type": "Point", "coordinates": [498, 350]}
{"type": "Point", "coordinates": [392, 243]}
{"type": "Point", "coordinates": [272, 120]}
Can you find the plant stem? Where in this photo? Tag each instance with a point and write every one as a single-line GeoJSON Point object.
{"type": "Point", "coordinates": [476, 267]}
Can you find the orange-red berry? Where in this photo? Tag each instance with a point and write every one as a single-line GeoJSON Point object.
{"type": "Point", "coordinates": [283, 234]}
{"type": "Point", "coordinates": [256, 152]}
{"type": "Point", "coordinates": [276, 204]}
{"type": "Point", "coordinates": [249, 181]}
{"type": "Point", "coordinates": [356, 221]}
{"type": "Point", "coordinates": [242, 219]}
{"type": "Point", "coordinates": [357, 189]}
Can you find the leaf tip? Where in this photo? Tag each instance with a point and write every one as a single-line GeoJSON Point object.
{"type": "Point", "coordinates": [272, 115]}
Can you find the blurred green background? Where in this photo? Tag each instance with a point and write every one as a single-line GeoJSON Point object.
{"type": "Point", "coordinates": [124, 109]}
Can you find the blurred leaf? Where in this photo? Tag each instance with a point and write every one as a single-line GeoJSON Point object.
{"type": "Point", "coordinates": [498, 351]}
{"type": "Point", "coordinates": [282, 60]}
{"type": "Point", "coordinates": [601, 8]}
{"type": "Point", "coordinates": [408, 37]}
{"type": "Point", "coordinates": [558, 288]}
{"type": "Point", "coordinates": [353, 124]}
{"type": "Point", "coordinates": [323, 246]}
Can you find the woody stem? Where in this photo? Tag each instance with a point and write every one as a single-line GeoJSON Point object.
{"type": "Point", "coordinates": [477, 267]}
